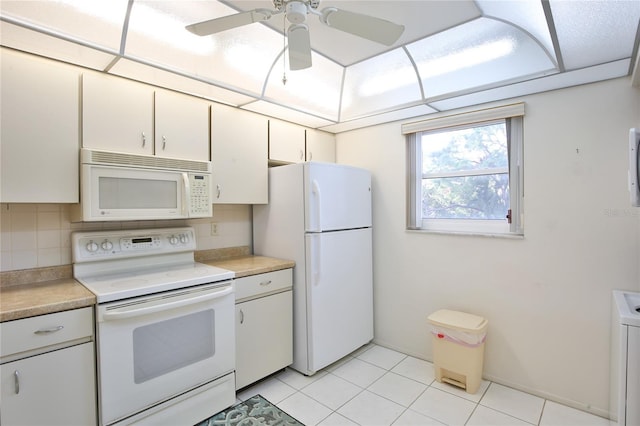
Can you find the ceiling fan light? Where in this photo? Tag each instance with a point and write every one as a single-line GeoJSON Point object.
{"type": "Point", "coordinates": [296, 12]}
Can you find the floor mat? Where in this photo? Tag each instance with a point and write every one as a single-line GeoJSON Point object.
{"type": "Point", "coordinates": [254, 411]}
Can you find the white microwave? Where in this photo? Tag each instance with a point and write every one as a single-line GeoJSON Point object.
{"type": "Point", "coordinates": [119, 186]}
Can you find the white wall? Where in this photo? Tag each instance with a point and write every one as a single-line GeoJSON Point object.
{"type": "Point", "coordinates": [547, 296]}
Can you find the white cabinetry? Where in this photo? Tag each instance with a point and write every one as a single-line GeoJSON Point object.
{"type": "Point", "coordinates": [117, 114]}
{"type": "Point", "coordinates": [182, 126]}
{"type": "Point", "coordinates": [239, 156]}
{"type": "Point", "coordinates": [264, 325]}
{"type": "Point", "coordinates": [125, 116]}
{"type": "Point", "coordinates": [286, 142]}
{"type": "Point", "coordinates": [47, 375]}
{"type": "Point", "coordinates": [39, 134]}
{"type": "Point", "coordinates": [321, 146]}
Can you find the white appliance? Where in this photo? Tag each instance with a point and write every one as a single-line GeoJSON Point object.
{"type": "Point", "coordinates": [319, 215]}
{"type": "Point", "coordinates": [164, 326]}
{"type": "Point", "coordinates": [625, 358]}
{"type": "Point", "coordinates": [634, 166]}
{"type": "Point", "coordinates": [119, 186]}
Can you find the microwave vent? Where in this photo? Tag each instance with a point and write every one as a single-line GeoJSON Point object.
{"type": "Point", "coordinates": [146, 161]}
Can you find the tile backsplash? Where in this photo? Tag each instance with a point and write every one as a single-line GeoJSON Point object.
{"type": "Point", "coordinates": [39, 235]}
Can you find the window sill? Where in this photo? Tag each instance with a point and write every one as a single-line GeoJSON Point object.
{"type": "Point", "coordinates": [509, 236]}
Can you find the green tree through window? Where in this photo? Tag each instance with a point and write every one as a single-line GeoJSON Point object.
{"type": "Point", "coordinates": [465, 173]}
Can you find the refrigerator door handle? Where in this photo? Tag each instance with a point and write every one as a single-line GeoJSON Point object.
{"type": "Point", "coordinates": [316, 191]}
{"type": "Point", "coordinates": [316, 259]}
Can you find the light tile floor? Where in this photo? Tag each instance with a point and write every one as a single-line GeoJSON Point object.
{"type": "Point", "coordinates": [379, 386]}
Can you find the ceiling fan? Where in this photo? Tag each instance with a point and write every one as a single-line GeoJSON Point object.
{"type": "Point", "coordinates": [296, 11]}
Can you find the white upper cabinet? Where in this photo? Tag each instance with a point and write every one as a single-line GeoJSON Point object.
{"type": "Point", "coordinates": [39, 136]}
{"type": "Point", "coordinates": [286, 142]}
{"type": "Point", "coordinates": [117, 114]}
{"type": "Point", "coordinates": [125, 116]}
{"type": "Point", "coordinates": [321, 146]}
{"type": "Point", "coordinates": [239, 156]}
{"type": "Point", "coordinates": [181, 126]}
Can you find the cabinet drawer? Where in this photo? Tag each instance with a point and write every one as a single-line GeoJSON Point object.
{"type": "Point", "coordinates": [45, 330]}
{"type": "Point", "coordinates": [262, 284]}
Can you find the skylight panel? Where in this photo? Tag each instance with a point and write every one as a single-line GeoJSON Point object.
{"type": "Point", "coordinates": [481, 53]}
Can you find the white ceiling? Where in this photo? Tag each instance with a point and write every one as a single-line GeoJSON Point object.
{"type": "Point", "coordinates": [452, 53]}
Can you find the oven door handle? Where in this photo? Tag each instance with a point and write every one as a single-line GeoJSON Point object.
{"type": "Point", "coordinates": [136, 312]}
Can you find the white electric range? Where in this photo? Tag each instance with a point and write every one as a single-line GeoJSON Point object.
{"type": "Point", "coordinates": [164, 325]}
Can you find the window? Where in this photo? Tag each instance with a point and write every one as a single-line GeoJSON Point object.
{"type": "Point", "coordinates": [466, 172]}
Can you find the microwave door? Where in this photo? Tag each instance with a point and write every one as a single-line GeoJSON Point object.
{"type": "Point", "coordinates": [125, 194]}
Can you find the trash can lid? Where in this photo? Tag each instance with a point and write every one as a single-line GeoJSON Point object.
{"type": "Point", "coordinates": [458, 320]}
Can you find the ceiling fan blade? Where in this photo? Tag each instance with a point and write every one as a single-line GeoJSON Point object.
{"type": "Point", "coordinates": [299, 47]}
{"type": "Point", "coordinates": [224, 23]}
{"type": "Point", "coordinates": [365, 26]}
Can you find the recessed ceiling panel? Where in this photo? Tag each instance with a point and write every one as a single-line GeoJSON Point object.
{"type": "Point", "coordinates": [20, 38]}
{"type": "Point", "coordinates": [170, 80]}
{"type": "Point", "coordinates": [284, 113]}
{"type": "Point", "coordinates": [315, 90]}
{"type": "Point", "coordinates": [479, 54]}
{"type": "Point", "coordinates": [379, 84]}
{"type": "Point", "coordinates": [420, 18]}
{"type": "Point", "coordinates": [595, 32]}
{"type": "Point", "coordinates": [527, 15]}
{"type": "Point", "coordinates": [96, 22]}
{"type": "Point", "coordinates": [240, 57]}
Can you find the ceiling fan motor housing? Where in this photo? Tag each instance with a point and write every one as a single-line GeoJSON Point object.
{"type": "Point", "coordinates": [296, 12]}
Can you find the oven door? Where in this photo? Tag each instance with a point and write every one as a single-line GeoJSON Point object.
{"type": "Point", "coordinates": [153, 348]}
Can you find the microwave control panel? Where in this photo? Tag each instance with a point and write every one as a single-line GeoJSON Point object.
{"type": "Point", "coordinates": [103, 245]}
{"type": "Point", "coordinates": [200, 196]}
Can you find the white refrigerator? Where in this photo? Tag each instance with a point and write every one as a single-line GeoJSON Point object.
{"type": "Point", "coordinates": [319, 215]}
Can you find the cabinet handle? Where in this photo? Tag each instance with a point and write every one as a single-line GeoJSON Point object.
{"type": "Point", "coordinates": [241, 317]}
{"type": "Point", "coordinates": [310, 156]}
{"type": "Point", "coordinates": [164, 142]}
{"type": "Point", "coordinates": [49, 330]}
{"type": "Point", "coordinates": [144, 139]}
{"type": "Point", "coordinates": [219, 189]}
{"type": "Point", "coordinates": [16, 381]}
{"type": "Point", "coordinates": [301, 154]}
{"type": "Point", "coordinates": [264, 283]}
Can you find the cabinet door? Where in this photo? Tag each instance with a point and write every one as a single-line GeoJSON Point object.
{"type": "Point", "coordinates": [321, 146]}
{"type": "Point", "coordinates": [39, 135]}
{"type": "Point", "coordinates": [286, 142]}
{"type": "Point", "coordinates": [239, 156]}
{"type": "Point", "coordinates": [264, 337]}
{"type": "Point", "coordinates": [182, 126]}
{"type": "Point", "coordinates": [117, 114]}
{"type": "Point", "coordinates": [56, 388]}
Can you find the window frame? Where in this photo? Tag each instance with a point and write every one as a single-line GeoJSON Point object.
{"type": "Point", "coordinates": [513, 116]}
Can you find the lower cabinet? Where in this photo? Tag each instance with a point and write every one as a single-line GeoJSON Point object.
{"type": "Point", "coordinates": [264, 325]}
{"type": "Point", "coordinates": [55, 388]}
{"type": "Point", "coordinates": [47, 370]}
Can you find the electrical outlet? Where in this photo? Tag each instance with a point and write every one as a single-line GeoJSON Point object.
{"type": "Point", "coordinates": [214, 229]}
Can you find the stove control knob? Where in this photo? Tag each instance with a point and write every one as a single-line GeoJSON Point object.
{"type": "Point", "coordinates": [183, 239]}
{"type": "Point", "coordinates": [173, 240]}
{"type": "Point", "coordinates": [92, 247]}
{"type": "Point", "coordinates": [106, 245]}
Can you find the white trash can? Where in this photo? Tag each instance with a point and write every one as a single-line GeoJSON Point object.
{"type": "Point", "coordinates": [458, 348]}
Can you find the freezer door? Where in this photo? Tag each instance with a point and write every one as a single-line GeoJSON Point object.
{"type": "Point", "coordinates": [336, 197]}
{"type": "Point", "coordinates": [339, 281]}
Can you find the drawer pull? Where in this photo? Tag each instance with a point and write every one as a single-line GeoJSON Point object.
{"type": "Point", "coordinates": [16, 381]}
{"type": "Point", "coordinates": [241, 317]}
{"type": "Point", "coordinates": [49, 330]}
{"type": "Point", "coordinates": [264, 283]}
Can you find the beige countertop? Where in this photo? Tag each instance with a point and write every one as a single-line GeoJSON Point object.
{"type": "Point", "coordinates": [28, 300]}
{"type": "Point", "coordinates": [23, 299]}
{"type": "Point", "coordinates": [251, 265]}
